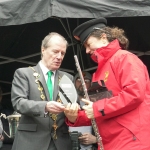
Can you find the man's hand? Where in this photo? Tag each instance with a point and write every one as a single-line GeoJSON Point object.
{"type": "Point", "coordinates": [87, 139]}
{"type": "Point", "coordinates": [71, 111]}
{"type": "Point", "coordinates": [54, 107]}
{"type": "Point", "coordinates": [88, 108]}
{"type": "Point", "coordinates": [1, 137]}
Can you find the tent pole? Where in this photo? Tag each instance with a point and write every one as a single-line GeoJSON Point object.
{"type": "Point", "coordinates": [68, 33]}
{"type": "Point", "coordinates": [70, 36]}
{"type": "Point", "coordinates": [63, 25]}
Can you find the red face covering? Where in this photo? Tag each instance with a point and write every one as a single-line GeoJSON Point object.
{"type": "Point", "coordinates": [94, 56]}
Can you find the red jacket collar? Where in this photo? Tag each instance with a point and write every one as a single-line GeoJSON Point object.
{"type": "Point", "coordinates": [102, 54]}
{"type": "Point", "coordinates": [106, 52]}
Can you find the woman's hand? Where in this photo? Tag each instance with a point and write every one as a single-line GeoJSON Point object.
{"type": "Point", "coordinates": [88, 108]}
{"type": "Point", "coordinates": [71, 111]}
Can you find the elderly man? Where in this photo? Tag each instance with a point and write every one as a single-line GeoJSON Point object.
{"type": "Point", "coordinates": [35, 96]}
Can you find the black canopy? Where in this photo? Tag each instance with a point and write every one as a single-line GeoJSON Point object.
{"type": "Point", "coordinates": [14, 12]}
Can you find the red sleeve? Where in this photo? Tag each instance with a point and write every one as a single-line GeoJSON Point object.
{"type": "Point", "coordinates": [131, 75]}
{"type": "Point", "coordinates": [81, 120]}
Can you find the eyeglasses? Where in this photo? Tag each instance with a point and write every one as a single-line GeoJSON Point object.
{"type": "Point", "coordinates": [86, 80]}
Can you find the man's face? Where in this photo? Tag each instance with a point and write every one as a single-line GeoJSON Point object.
{"type": "Point", "coordinates": [78, 84]}
{"type": "Point", "coordinates": [54, 53]}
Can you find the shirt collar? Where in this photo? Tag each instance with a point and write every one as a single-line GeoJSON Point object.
{"type": "Point", "coordinates": [45, 69]}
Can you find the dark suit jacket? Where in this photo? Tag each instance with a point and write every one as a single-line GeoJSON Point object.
{"type": "Point", "coordinates": [35, 131]}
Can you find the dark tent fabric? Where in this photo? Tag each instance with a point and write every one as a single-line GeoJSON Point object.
{"type": "Point", "coordinates": [97, 8]}
{"type": "Point", "coordinates": [24, 23]}
{"type": "Point", "coordinates": [14, 12]}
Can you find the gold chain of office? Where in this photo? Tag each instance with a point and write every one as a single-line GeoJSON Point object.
{"type": "Point", "coordinates": [40, 88]}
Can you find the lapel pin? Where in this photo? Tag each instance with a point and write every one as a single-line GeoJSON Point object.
{"type": "Point", "coordinates": [35, 74]}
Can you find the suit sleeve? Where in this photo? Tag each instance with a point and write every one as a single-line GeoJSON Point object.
{"type": "Point", "coordinates": [20, 96]}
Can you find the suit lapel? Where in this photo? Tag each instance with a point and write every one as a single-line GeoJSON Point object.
{"type": "Point", "coordinates": [42, 81]}
{"type": "Point", "coordinates": [56, 87]}
{"type": "Point", "coordinates": [58, 76]}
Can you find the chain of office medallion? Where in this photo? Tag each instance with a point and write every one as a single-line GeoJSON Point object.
{"type": "Point", "coordinates": [40, 88]}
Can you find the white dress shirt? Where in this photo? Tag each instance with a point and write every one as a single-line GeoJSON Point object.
{"type": "Point", "coordinates": [45, 70]}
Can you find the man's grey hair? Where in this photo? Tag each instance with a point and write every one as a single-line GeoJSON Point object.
{"type": "Point", "coordinates": [46, 40]}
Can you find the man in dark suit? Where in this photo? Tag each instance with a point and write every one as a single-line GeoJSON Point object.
{"type": "Point", "coordinates": [42, 125]}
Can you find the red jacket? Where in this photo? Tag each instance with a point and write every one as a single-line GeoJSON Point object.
{"type": "Point", "coordinates": [126, 124]}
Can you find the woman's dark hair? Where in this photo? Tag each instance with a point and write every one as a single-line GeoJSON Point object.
{"type": "Point", "coordinates": [112, 34]}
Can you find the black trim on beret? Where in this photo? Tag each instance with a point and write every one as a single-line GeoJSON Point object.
{"type": "Point", "coordinates": [83, 31]}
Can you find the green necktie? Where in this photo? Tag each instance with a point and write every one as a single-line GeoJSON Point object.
{"type": "Point", "coordinates": [49, 84]}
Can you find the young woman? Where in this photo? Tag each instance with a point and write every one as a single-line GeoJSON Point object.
{"type": "Point", "coordinates": [123, 120]}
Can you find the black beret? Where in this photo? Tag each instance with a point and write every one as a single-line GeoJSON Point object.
{"type": "Point", "coordinates": [83, 31]}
